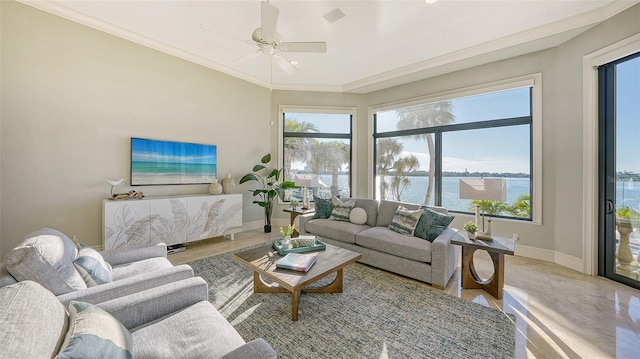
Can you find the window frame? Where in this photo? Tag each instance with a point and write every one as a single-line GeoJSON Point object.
{"type": "Point", "coordinates": [351, 111]}
{"type": "Point", "coordinates": [534, 81]}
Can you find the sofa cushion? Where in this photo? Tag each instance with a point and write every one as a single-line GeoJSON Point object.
{"type": "Point", "coordinates": [358, 216]}
{"type": "Point", "coordinates": [341, 210]}
{"type": "Point", "coordinates": [46, 257]}
{"type": "Point", "coordinates": [91, 266]}
{"type": "Point", "coordinates": [198, 331]}
{"type": "Point", "coordinates": [387, 210]}
{"type": "Point", "coordinates": [404, 221]}
{"type": "Point", "coordinates": [140, 267]}
{"type": "Point", "coordinates": [431, 224]}
{"type": "Point", "coordinates": [92, 331]}
{"type": "Point", "coordinates": [337, 230]}
{"type": "Point", "coordinates": [322, 206]}
{"type": "Point", "coordinates": [387, 241]}
{"type": "Point", "coordinates": [33, 321]}
{"type": "Point", "coordinates": [370, 206]}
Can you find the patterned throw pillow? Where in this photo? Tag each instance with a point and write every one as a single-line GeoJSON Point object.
{"type": "Point", "coordinates": [431, 224]}
{"type": "Point", "coordinates": [341, 210]}
{"type": "Point", "coordinates": [404, 221]}
{"type": "Point", "coordinates": [92, 267]}
{"type": "Point", "coordinates": [91, 331]}
{"type": "Point", "coordinates": [323, 207]}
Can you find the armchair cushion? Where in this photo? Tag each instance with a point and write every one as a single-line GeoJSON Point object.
{"type": "Point", "coordinates": [33, 321]}
{"type": "Point", "coordinates": [46, 257]}
{"type": "Point", "coordinates": [132, 269]}
{"type": "Point", "coordinates": [92, 267]}
{"type": "Point", "coordinates": [198, 331]}
{"type": "Point", "coordinates": [92, 331]}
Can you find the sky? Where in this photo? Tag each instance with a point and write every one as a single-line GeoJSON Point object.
{"type": "Point", "coordinates": [628, 116]}
{"type": "Point", "coordinates": [503, 149]}
{"type": "Point", "coordinates": [144, 150]}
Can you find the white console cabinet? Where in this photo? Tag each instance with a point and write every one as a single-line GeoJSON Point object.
{"type": "Point", "coordinates": [172, 220]}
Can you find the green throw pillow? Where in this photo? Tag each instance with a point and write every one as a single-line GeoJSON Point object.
{"type": "Point", "coordinates": [323, 207]}
{"type": "Point", "coordinates": [431, 224]}
{"type": "Point", "coordinates": [404, 221]}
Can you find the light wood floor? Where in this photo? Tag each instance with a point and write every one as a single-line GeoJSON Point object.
{"type": "Point", "coordinates": [560, 313]}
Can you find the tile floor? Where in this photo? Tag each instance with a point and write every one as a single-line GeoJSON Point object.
{"type": "Point", "coordinates": [560, 313]}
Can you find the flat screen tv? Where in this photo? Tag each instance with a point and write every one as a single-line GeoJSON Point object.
{"type": "Point", "coordinates": [156, 162]}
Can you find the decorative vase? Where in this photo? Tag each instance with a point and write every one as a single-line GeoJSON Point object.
{"type": "Point", "coordinates": [228, 184]}
{"type": "Point", "coordinates": [267, 228]}
{"type": "Point", "coordinates": [472, 235]}
{"type": "Point", "coordinates": [215, 187]}
{"type": "Point", "coordinates": [286, 242]}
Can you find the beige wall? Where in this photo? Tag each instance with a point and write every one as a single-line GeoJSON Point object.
{"type": "Point", "coordinates": [73, 96]}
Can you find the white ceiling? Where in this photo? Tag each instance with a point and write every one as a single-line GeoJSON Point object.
{"type": "Point", "coordinates": [378, 44]}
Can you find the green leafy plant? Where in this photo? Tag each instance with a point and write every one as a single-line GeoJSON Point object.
{"type": "Point", "coordinates": [269, 189]}
{"type": "Point", "coordinates": [627, 212]}
{"type": "Point", "coordinates": [470, 227]}
{"type": "Point", "coordinates": [288, 232]}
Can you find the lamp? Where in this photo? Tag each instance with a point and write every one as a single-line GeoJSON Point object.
{"type": "Point", "coordinates": [305, 181]}
{"type": "Point", "coordinates": [114, 183]}
{"type": "Point", "coordinates": [490, 189]}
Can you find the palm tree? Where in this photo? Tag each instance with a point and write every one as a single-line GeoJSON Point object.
{"type": "Point", "coordinates": [387, 150]}
{"type": "Point", "coordinates": [296, 148]}
{"type": "Point", "coordinates": [401, 167]}
{"type": "Point", "coordinates": [428, 115]}
{"type": "Point", "coordinates": [329, 157]}
{"type": "Point", "coordinates": [521, 207]}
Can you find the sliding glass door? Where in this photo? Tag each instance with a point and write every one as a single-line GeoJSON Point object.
{"type": "Point", "coordinates": [619, 167]}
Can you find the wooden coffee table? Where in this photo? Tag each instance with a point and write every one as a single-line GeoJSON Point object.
{"type": "Point", "coordinates": [262, 260]}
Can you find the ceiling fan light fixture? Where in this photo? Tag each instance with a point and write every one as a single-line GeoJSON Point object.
{"type": "Point", "coordinates": [267, 49]}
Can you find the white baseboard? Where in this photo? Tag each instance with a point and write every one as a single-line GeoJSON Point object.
{"type": "Point", "coordinates": [276, 223]}
{"type": "Point", "coordinates": [548, 255]}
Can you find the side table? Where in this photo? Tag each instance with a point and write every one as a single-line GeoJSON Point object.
{"type": "Point", "coordinates": [497, 248]}
{"type": "Point", "coordinates": [294, 212]}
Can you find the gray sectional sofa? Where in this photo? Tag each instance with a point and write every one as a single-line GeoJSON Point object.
{"type": "Point", "coordinates": [431, 262]}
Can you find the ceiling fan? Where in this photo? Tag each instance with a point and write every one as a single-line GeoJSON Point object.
{"type": "Point", "coordinates": [269, 43]}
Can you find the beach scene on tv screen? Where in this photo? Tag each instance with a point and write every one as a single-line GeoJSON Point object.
{"type": "Point", "coordinates": [156, 162]}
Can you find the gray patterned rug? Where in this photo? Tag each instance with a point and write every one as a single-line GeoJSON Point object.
{"type": "Point", "coordinates": [379, 315]}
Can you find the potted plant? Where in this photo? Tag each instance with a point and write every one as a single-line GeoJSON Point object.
{"type": "Point", "coordinates": [470, 228]}
{"type": "Point", "coordinates": [269, 187]}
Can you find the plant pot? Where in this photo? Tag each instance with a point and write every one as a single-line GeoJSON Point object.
{"type": "Point", "coordinates": [267, 228]}
{"type": "Point", "coordinates": [471, 235]}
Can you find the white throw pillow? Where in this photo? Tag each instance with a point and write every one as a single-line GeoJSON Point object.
{"type": "Point", "coordinates": [358, 216]}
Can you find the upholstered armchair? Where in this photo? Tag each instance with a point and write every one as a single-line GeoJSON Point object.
{"type": "Point", "coordinates": [79, 272]}
{"type": "Point", "coordinates": [170, 321]}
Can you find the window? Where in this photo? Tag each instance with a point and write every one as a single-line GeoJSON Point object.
{"type": "Point", "coordinates": [318, 142]}
{"type": "Point", "coordinates": [423, 148]}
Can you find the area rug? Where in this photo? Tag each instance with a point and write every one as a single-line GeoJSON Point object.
{"type": "Point", "coordinates": [378, 315]}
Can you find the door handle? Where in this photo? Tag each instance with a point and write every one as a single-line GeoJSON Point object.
{"type": "Point", "coordinates": [610, 207]}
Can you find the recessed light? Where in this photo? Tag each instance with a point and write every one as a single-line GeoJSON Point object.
{"type": "Point", "coordinates": [430, 2]}
{"type": "Point", "coordinates": [294, 62]}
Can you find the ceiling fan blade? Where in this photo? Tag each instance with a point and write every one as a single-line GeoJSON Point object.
{"type": "Point", "coordinates": [269, 20]}
{"type": "Point", "coordinates": [248, 57]}
{"type": "Point", "coordinates": [284, 63]}
{"type": "Point", "coordinates": [303, 46]}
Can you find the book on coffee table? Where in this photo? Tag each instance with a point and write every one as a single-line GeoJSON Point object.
{"type": "Point", "coordinates": [297, 262]}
